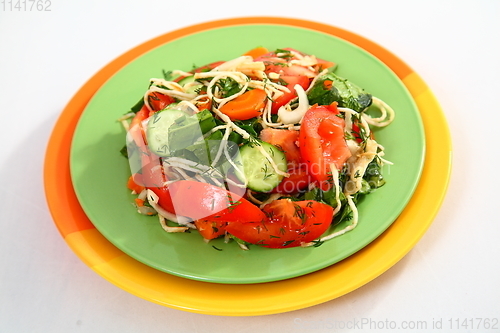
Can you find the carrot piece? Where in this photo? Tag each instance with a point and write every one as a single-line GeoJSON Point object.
{"type": "Point", "coordinates": [139, 202]}
{"type": "Point", "coordinates": [246, 106]}
{"type": "Point", "coordinates": [257, 52]}
{"type": "Point", "coordinates": [133, 185]}
{"type": "Point", "coordinates": [323, 64]}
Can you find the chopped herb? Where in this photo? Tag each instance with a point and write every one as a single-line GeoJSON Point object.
{"type": "Point", "coordinates": [349, 136]}
{"type": "Point", "coordinates": [282, 82]}
{"type": "Point", "coordinates": [124, 151]}
{"type": "Point", "coordinates": [269, 214]}
{"type": "Point", "coordinates": [300, 213]}
{"type": "Point", "coordinates": [137, 106]}
{"type": "Point", "coordinates": [167, 75]}
{"type": "Point", "coordinates": [282, 64]}
{"type": "Point", "coordinates": [265, 169]}
{"type": "Point", "coordinates": [216, 248]}
{"type": "Point", "coordinates": [317, 243]}
{"type": "Point", "coordinates": [228, 87]}
{"type": "Point", "coordinates": [284, 54]}
{"type": "Point", "coordinates": [156, 117]}
{"type": "Point", "coordinates": [232, 204]}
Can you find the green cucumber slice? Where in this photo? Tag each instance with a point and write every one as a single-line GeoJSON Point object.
{"type": "Point", "coordinates": [157, 131]}
{"type": "Point", "coordinates": [257, 169]}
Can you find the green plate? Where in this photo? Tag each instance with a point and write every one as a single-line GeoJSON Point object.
{"type": "Point", "coordinates": [99, 173]}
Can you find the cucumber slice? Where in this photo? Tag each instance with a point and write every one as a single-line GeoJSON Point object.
{"type": "Point", "coordinates": [186, 80]}
{"type": "Point", "coordinates": [190, 79]}
{"type": "Point", "coordinates": [257, 169]}
{"type": "Point", "coordinates": [157, 131]}
{"type": "Point", "coordinates": [172, 130]}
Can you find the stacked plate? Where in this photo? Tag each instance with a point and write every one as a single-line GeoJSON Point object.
{"type": "Point", "coordinates": [85, 178]}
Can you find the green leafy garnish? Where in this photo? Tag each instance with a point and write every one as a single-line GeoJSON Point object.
{"type": "Point", "coordinates": [331, 88]}
{"type": "Point", "coordinates": [124, 151]}
{"type": "Point", "coordinates": [284, 54]}
{"type": "Point", "coordinates": [167, 75]}
{"type": "Point", "coordinates": [228, 87]}
{"type": "Point", "coordinates": [137, 106]}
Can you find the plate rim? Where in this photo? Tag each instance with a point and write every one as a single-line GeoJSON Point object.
{"type": "Point", "coordinates": [83, 241]}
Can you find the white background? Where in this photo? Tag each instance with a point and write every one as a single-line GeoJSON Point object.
{"type": "Point", "coordinates": [45, 57]}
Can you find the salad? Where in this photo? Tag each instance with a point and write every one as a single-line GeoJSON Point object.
{"type": "Point", "coordinates": [271, 148]}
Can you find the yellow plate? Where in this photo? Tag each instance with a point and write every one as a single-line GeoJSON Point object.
{"type": "Point", "coordinates": [264, 298]}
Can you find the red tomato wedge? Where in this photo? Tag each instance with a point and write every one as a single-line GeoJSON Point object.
{"type": "Point", "coordinates": [202, 201]}
{"type": "Point", "coordinates": [151, 175]}
{"type": "Point", "coordinates": [285, 140]}
{"type": "Point", "coordinates": [289, 224]}
{"type": "Point", "coordinates": [141, 115]}
{"type": "Point", "coordinates": [280, 65]}
{"type": "Point", "coordinates": [322, 141]}
{"type": "Point", "coordinates": [136, 131]}
{"type": "Point", "coordinates": [298, 180]}
{"type": "Point", "coordinates": [159, 101]}
{"type": "Point", "coordinates": [153, 178]}
{"type": "Point", "coordinates": [321, 65]}
{"type": "Point", "coordinates": [291, 81]}
{"type": "Point", "coordinates": [210, 229]}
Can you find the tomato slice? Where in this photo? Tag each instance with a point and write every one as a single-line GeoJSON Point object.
{"type": "Point", "coordinates": [298, 180]}
{"type": "Point", "coordinates": [291, 81]}
{"type": "Point", "coordinates": [159, 101]}
{"type": "Point", "coordinates": [289, 224]}
{"type": "Point", "coordinates": [322, 141]}
{"type": "Point", "coordinates": [151, 174]}
{"type": "Point", "coordinates": [136, 131]}
{"type": "Point", "coordinates": [285, 140]}
{"type": "Point", "coordinates": [281, 64]}
{"type": "Point", "coordinates": [210, 229]}
{"type": "Point", "coordinates": [292, 74]}
{"type": "Point", "coordinates": [198, 200]}
{"type": "Point", "coordinates": [141, 115]}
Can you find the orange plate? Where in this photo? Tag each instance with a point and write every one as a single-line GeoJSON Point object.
{"type": "Point", "coordinates": [264, 298]}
